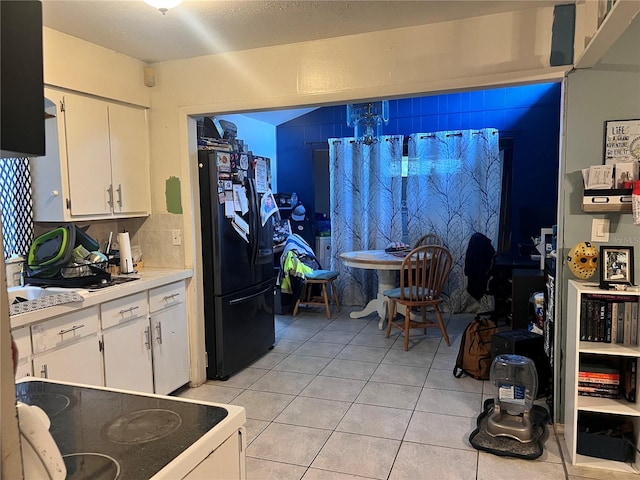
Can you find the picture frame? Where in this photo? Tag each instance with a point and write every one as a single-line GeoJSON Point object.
{"type": "Point", "coordinates": [621, 141]}
{"type": "Point", "coordinates": [616, 266]}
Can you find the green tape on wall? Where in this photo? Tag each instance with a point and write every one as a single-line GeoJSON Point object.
{"type": "Point", "coordinates": [172, 194]}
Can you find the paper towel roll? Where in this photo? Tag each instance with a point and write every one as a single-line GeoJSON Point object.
{"type": "Point", "coordinates": [126, 261]}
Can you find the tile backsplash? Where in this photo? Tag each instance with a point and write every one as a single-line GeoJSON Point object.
{"type": "Point", "coordinates": [152, 235]}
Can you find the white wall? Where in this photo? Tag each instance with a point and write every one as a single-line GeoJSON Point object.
{"type": "Point", "coordinates": [609, 91]}
{"type": "Point", "coordinates": [485, 51]}
{"type": "Point", "coordinates": [260, 137]}
{"type": "Point", "coordinates": [84, 67]}
{"type": "Point", "coordinates": [494, 50]}
{"type": "Point", "coordinates": [491, 50]}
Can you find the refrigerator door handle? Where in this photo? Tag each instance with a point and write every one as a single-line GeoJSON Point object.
{"type": "Point", "coordinates": [249, 297]}
{"type": "Point", "coordinates": [255, 237]}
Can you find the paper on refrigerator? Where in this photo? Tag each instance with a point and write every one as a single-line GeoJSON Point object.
{"type": "Point", "coordinates": [240, 202]}
{"type": "Point", "coordinates": [241, 227]}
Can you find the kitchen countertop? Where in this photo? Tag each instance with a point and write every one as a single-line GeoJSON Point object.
{"type": "Point", "coordinates": [149, 278]}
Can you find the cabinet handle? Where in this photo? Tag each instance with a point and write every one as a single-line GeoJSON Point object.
{"type": "Point", "coordinates": [119, 190]}
{"type": "Point", "coordinates": [147, 338]}
{"type": "Point", "coordinates": [159, 336]}
{"type": "Point", "coordinates": [110, 191]}
{"type": "Point", "coordinates": [75, 327]}
{"type": "Point", "coordinates": [44, 372]}
{"type": "Point", "coordinates": [171, 297]}
{"type": "Point", "coordinates": [128, 310]}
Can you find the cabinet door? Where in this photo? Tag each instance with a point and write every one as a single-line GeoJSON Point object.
{"type": "Point", "coordinates": [129, 170]}
{"type": "Point", "coordinates": [127, 356]}
{"type": "Point", "coordinates": [22, 338]}
{"type": "Point", "coordinates": [88, 155]}
{"type": "Point", "coordinates": [170, 349]}
{"type": "Point", "coordinates": [226, 461]}
{"type": "Point", "coordinates": [78, 362]}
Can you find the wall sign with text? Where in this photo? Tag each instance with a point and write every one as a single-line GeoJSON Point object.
{"type": "Point", "coordinates": [622, 141]}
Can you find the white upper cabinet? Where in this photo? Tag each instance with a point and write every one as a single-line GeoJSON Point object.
{"type": "Point", "coordinates": [88, 155]}
{"type": "Point", "coordinates": [96, 163]}
{"type": "Point", "coordinates": [129, 175]}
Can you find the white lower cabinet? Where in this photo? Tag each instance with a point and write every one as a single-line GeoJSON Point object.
{"type": "Point", "coordinates": [22, 338]}
{"type": "Point", "coordinates": [117, 344]}
{"type": "Point", "coordinates": [78, 362]}
{"type": "Point", "coordinates": [127, 356]}
{"type": "Point", "coordinates": [170, 339]}
{"type": "Point", "coordinates": [67, 348]}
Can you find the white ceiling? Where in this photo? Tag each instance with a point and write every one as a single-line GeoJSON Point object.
{"type": "Point", "coordinates": [203, 27]}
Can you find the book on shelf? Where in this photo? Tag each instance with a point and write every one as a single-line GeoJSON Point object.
{"type": "Point", "coordinates": [608, 386]}
{"type": "Point", "coordinates": [614, 390]}
{"type": "Point", "coordinates": [628, 377]}
{"type": "Point", "coordinates": [586, 378]}
{"type": "Point", "coordinates": [609, 318]}
{"type": "Point", "coordinates": [634, 323]}
{"type": "Point", "coordinates": [614, 322]}
{"type": "Point", "coordinates": [598, 367]}
{"type": "Point", "coordinates": [620, 331]}
{"type": "Point", "coordinates": [599, 395]}
{"type": "Point", "coordinates": [627, 324]}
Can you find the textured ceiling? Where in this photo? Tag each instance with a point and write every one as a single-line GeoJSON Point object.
{"type": "Point", "coordinates": [203, 27]}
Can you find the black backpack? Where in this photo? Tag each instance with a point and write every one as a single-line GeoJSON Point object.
{"type": "Point", "coordinates": [474, 356]}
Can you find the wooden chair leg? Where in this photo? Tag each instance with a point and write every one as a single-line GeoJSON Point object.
{"type": "Point", "coordinates": [326, 299]}
{"type": "Point", "coordinates": [441, 324]}
{"type": "Point", "coordinates": [304, 296]}
{"type": "Point", "coordinates": [392, 313]}
{"type": "Point", "coordinates": [423, 311]}
{"type": "Point", "coordinates": [407, 327]}
{"type": "Point", "coordinates": [334, 289]}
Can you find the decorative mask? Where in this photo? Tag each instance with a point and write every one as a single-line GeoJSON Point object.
{"type": "Point", "coordinates": [583, 260]}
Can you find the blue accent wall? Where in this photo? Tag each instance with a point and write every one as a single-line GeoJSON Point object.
{"type": "Point", "coordinates": [529, 115]}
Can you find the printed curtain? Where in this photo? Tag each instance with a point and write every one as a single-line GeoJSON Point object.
{"type": "Point", "coordinates": [365, 203]}
{"type": "Point", "coordinates": [453, 189]}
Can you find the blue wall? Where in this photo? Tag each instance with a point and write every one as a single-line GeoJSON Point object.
{"type": "Point", "coordinates": [530, 115]}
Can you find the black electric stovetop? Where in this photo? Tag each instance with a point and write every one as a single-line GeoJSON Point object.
{"type": "Point", "coordinates": [106, 435]}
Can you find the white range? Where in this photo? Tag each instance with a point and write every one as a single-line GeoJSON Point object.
{"type": "Point", "coordinates": [117, 434]}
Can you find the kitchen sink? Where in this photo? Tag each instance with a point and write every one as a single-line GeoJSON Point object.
{"type": "Point", "coordinates": [31, 292]}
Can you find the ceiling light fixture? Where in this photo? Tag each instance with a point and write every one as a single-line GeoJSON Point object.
{"type": "Point", "coordinates": [163, 5]}
{"type": "Point", "coordinates": [367, 119]}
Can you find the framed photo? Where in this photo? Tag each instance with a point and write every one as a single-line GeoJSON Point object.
{"type": "Point", "coordinates": [616, 266]}
{"type": "Point", "coordinates": [621, 141]}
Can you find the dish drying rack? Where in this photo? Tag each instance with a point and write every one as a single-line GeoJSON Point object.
{"type": "Point", "coordinates": [73, 276]}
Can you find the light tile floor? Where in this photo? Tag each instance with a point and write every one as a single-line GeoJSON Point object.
{"type": "Point", "coordinates": [336, 399]}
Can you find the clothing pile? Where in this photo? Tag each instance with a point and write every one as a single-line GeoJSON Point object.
{"type": "Point", "coordinates": [297, 260]}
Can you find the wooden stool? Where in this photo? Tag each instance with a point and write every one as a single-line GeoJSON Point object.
{"type": "Point", "coordinates": [321, 277]}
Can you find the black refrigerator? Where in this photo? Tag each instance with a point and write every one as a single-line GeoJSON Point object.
{"type": "Point", "coordinates": [237, 257]}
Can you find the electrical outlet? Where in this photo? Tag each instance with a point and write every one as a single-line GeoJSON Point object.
{"type": "Point", "coordinates": [176, 236]}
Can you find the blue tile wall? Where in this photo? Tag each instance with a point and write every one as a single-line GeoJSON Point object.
{"type": "Point", "coordinates": [530, 115]}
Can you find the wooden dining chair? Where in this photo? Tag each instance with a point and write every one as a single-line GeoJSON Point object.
{"type": "Point", "coordinates": [429, 239]}
{"type": "Point", "coordinates": [423, 276]}
{"type": "Point", "coordinates": [326, 279]}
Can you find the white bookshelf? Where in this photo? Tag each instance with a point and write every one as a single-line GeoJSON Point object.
{"type": "Point", "coordinates": [574, 404]}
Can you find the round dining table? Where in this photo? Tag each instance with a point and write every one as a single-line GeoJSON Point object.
{"type": "Point", "coordinates": [386, 265]}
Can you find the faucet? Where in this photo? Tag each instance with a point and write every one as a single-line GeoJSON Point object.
{"type": "Point", "coordinates": [22, 272]}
